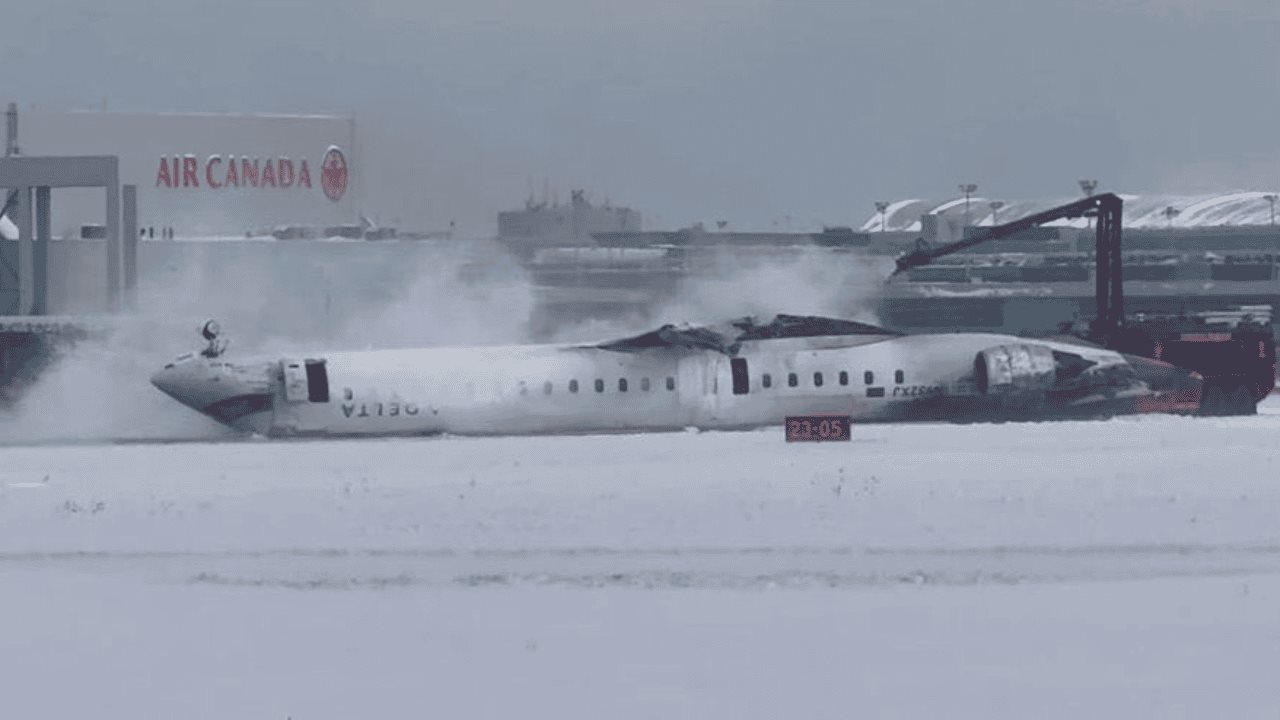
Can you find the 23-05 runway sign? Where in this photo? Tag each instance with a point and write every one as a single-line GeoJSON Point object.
{"type": "Point", "coordinates": [817, 428]}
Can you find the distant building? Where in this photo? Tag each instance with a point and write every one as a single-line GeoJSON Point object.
{"type": "Point", "coordinates": [572, 224]}
{"type": "Point", "coordinates": [944, 219]}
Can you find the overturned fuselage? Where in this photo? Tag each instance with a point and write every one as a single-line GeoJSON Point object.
{"type": "Point", "coordinates": [743, 375]}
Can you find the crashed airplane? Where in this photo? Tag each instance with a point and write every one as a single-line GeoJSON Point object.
{"type": "Point", "coordinates": [741, 375]}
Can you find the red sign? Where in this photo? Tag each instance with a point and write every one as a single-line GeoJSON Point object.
{"type": "Point", "coordinates": [333, 174]}
{"type": "Point", "coordinates": [229, 171]}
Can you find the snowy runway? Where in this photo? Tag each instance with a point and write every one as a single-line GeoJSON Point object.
{"type": "Point", "coordinates": [1123, 568]}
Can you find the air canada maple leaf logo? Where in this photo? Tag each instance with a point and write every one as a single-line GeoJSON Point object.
{"type": "Point", "coordinates": [333, 174]}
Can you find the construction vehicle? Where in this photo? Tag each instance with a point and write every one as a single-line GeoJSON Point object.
{"type": "Point", "coordinates": [1233, 350]}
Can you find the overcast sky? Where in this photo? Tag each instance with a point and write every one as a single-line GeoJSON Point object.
{"type": "Point", "coordinates": [748, 110]}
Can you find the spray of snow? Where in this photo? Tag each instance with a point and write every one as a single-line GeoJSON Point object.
{"type": "Point", "coordinates": [808, 281]}
{"type": "Point", "coordinates": [99, 389]}
{"type": "Point", "coordinates": [453, 295]}
{"type": "Point", "coordinates": [801, 280]}
{"type": "Point", "coordinates": [304, 300]}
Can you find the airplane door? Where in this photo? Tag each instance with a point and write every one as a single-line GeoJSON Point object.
{"type": "Point", "coordinates": [698, 385]}
{"type": "Point", "coordinates": [305, 386]}
{"type": "Point", "coordinates": [741, 378]}
{"type": "Point", "coordinates": [305, 381]}
{"type": "Point", "coordinates": [295, 380]}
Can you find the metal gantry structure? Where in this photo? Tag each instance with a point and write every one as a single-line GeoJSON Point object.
{"type": "Point", "coordinates": [29, 181]}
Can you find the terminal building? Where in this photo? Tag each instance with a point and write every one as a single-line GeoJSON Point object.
{"type": "Point", "coordinates": [540, 223]}
{"type": "Point", "coordinates": [1182, 253]}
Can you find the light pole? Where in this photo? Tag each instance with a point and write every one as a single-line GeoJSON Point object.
{"type": "Point", "coordinates": [1087, 187]}
{"type": "Point", "coordinates": [882, 207]}
{"type": "Point", "coordinates": [995, 211]}
{"type": "Point", "coordinates": [968, 189]}
{"type": "Point", "coordinates": [1271, 198]}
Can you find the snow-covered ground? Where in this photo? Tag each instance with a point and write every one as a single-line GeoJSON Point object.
{"type": "Point", "coordinates": [1115, 569]}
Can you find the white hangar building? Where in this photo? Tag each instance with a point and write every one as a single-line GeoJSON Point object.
{"type": "Point", "coordinates": [207, 174]}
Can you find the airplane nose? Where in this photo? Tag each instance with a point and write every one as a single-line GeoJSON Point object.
{"type": "Point", "coordinates": [238, 395]}
{"type": "Point", "coordinates": [178, 382]}
{"type": "Point", "coordinates": [165, 380]}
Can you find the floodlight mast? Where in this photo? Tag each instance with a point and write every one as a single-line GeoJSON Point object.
{"type": "Point", "coordinates": [882, 207]}
{"type": "Point", "coordinates": [967, 189]}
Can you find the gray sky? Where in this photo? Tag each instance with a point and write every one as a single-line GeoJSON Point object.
{"type": "Point", "coordinates": [748, 110]}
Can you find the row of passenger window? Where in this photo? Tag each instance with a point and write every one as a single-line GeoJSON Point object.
{"type": "Point", "coordinates": [549, 387]}
{"type": "Point", "coordinates": [766, 380]}
{"type": "Point", "coordinates": [868, 378]}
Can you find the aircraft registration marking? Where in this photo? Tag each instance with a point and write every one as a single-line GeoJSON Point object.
{"type": "Point", "coordinates": [916, 390]}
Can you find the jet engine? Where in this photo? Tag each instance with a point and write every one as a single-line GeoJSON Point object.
{"type": "Point", "coordinates": [1015, 369]}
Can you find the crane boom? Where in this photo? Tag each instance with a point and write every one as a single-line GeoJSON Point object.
{"type": "Point", "coordinates": [1109, 274]}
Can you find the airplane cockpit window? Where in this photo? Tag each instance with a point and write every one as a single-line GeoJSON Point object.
{"type": "Point", "coordinates": [599, 385]}
{"type": "Point", "coordinates": [766, 380]}
{"type": "Point", "coordinates": [868, 378]}
{"type": "Point", "coordinates": [844, 377]}
{"type": "Point", "coordinates": [817, 379]}
{"type": "Point", "coordinates": [792, 380]}
{"type": "Point", "coordinates": [573, 386]}
{"type": "Point", "coordinates": [671, 383]}
{"type": "Point", "coordinates": [644, 384]}
{"type": "Point", "coordinates": [622, 384]}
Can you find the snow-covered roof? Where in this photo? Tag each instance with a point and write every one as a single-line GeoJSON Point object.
{"type": "Point", "coordinates": [1249, 207]}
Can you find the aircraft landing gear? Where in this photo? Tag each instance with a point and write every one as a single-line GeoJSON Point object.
{"type": "Point", "coordinates": [211, 332]}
